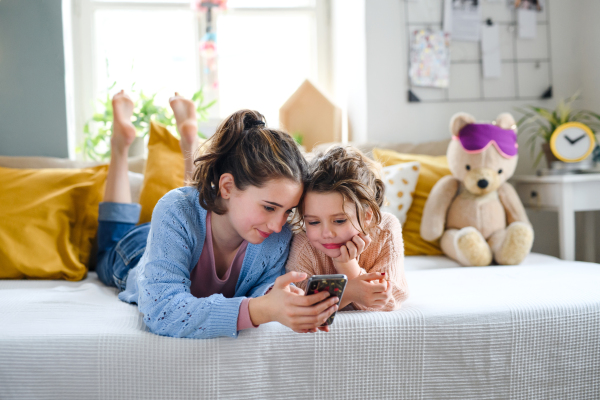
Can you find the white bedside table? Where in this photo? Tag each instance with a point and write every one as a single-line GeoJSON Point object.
{"type": "Point", "coordinates": [565, 194]}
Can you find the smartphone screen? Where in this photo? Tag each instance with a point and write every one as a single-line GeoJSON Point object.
{"type": "Point", "coordinates": [334, 284]}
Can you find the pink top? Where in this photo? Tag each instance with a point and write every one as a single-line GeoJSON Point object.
{"type": "Point", "coordinates": [206, 282]}
{"type": "Point", "coordinates": [384, 254]}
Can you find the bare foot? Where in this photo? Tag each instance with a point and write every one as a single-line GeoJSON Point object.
{"type": "Point", "coordinates": [123, 130]}
{"type": "Point", "coordinates": [117, 181]}
{"type": "Point", "coordinates": [184, 111]}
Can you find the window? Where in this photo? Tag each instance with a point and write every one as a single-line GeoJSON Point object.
{"type": "Point", "coordinates": [133, 54]}
{"type": "Point", "coordinates": [266, 49]}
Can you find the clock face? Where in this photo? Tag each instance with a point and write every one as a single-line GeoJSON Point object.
{"type": "Point", "coordinates": [572, 142]}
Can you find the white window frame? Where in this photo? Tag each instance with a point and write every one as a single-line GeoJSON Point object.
{"type": "Point", "coordinates": [84, 65]}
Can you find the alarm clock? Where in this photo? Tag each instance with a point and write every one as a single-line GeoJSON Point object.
{"type": "Point", "coordinates": [572, 142]}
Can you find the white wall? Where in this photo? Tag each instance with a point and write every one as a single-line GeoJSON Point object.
{"type": "Point", "coordinates": [390, 118]}
{"type": "Point", "coordinates": [590, 76]}
{"type": "Point", "coordinates": [349, 65]}
{"type": "Point", "coordinates": [590, 50]}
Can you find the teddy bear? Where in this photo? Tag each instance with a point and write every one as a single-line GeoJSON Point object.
{"type": "Point", "coordinates": [475, 213]}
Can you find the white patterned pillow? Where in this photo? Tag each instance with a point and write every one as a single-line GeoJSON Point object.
{"type": "Point", "coordinates": [400, 181]}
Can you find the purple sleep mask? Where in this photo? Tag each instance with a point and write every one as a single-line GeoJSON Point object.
{"type": "Point", "coordinates": [475, 138]}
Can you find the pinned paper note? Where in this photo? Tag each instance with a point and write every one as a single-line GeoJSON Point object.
{"type": "Point", "coordinates": [466, 20]}
{"type": "Point", "coordinates": [527, 21]}
{"type": "Point", "coordinates": [447, 16]}
{"type": "Point", "coordinates": [490, 51]}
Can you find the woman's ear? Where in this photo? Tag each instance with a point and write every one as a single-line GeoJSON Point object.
{"type": "Point", "coordinates": [226, 185]}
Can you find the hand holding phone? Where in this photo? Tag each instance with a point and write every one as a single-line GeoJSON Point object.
{"type": "Point", "coordinates": [334, 284]}
{"type": "Point", "coordinates": [289, 306]}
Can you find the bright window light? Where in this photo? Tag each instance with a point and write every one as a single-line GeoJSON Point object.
{"type": "Point", "coordinates": [265, 50]}
{"type": "Point", "coordinates": [263, 58]}
{"type": "Point", "coordinates": [154, 50]}
{"type": "Point", "coordinates": [144, 1]}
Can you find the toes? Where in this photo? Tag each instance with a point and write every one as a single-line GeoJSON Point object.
{"type": "Point", "coordinates": [121, 95]}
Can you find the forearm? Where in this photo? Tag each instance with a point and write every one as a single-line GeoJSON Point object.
{"type": "Point", "coordinates": [185, 316]}
{"type": "Point", "coordinates": [259, 310]}
{"type": "Point", "coordinates": [351, 268]}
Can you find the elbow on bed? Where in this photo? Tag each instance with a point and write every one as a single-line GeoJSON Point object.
{"type": "Point", "coordinates": [178, 329]}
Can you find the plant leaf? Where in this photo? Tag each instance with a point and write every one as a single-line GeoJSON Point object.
{"type": "Point", "coordinates": [538, 159]}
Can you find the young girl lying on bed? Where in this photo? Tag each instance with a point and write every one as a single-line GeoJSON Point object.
{"type": "Point", "coordinates": [346, 233]}
{"type": "Point", "coordinates": [202, 266]}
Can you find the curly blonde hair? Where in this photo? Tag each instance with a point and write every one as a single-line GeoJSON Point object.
{"type": "Point", "coordinates": [347, 171]}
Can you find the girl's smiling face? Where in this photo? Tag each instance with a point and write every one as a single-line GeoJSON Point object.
{"type": "Point", "coordinates": [257, 212]}
{"type": "Point", "coordinates": [330, 221]}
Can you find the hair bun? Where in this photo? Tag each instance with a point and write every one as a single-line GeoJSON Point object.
{"type": "Point", "coordinates": [251, 123]}
{"type": "Point", "coordinates": [252, 155]}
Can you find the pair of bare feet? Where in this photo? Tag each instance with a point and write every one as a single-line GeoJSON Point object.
{"type": "Point", "coordinates": [117, 181]}
{"type": "Point", "coordinates": [184, 111]}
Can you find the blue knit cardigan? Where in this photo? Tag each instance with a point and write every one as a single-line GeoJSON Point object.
{"type": "Point", "coordinates": [160, 283]}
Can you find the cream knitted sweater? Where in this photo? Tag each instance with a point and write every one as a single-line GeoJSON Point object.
{"type": "Point", "coordinates": [384, 254]}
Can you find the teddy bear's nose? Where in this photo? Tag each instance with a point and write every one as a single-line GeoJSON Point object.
{"type": "Point", "coordinates": [482, 183]}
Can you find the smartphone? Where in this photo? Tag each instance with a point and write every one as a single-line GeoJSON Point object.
{"type": "Point", "coordinates": [334, 284]}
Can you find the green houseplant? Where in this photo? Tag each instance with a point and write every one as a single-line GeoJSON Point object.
{"type": "Point", "coordinates": [97, 131]}
{"type": "Point", "coordinates": [539, 123]}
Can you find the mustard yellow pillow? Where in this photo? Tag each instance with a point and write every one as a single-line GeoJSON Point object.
{"type": "Point", "coordinates": [432, 169]}
{"type": "Point", "coordinates": [49, 218]}
{"type": "Point", "coordinates": [164, 169]}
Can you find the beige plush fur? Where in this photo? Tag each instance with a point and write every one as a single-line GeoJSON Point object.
{"type": "Point", "coordinates": [476, 226]}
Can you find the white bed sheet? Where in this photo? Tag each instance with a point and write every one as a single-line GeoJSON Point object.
{"type": "Point", "coordinates": [512, 332]}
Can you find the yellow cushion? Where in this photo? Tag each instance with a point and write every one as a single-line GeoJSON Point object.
{"type": "Point", "coordinates": [49, 220]}
{"type": "Point", "coordinates": [432, 169]}
{"type": "Point", "coordinates": [164, 169]}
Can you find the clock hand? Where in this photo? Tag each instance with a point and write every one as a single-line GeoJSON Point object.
{"type": "Point", "coordinates": [578, 139]}
{"type": "Point", "coordinates": [569, 139]}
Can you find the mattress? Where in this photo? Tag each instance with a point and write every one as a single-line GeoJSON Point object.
{"type": "Point", "coordinates": [501, 332]}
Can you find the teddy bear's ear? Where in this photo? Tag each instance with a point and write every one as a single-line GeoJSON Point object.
{"type": "Point", "coordinates": [506, 121]}
{"type": "Point", "coordinates": [459, 120]}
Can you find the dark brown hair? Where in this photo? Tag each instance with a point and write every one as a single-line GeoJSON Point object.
{"type": "Point", "coordinates": [347, 171]}
{"type": "Point", "coordinates": [254, 154]}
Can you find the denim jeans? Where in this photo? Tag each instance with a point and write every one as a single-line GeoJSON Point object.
{"type": "Point", "coordinates": [121, 243]}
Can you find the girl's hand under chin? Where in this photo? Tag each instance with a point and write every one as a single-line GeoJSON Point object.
{"type": "Point", "coordinates": [347, 262]}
